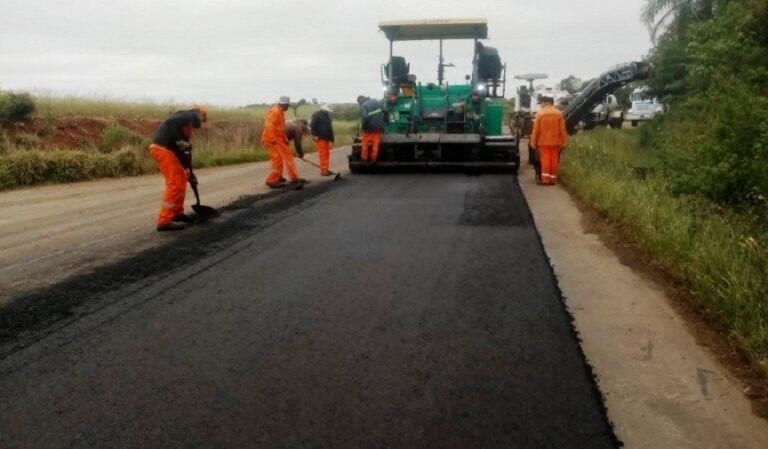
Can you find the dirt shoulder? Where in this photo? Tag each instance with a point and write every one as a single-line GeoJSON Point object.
{"type": "Point", "coordinates": [662, 386]}
{"type": "Point", "coordinates": [51, 233]}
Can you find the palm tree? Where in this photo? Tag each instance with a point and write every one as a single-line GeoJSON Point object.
{"type": "Point", "coordinates": [661, 15]}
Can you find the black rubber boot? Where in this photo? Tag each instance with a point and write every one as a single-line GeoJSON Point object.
{"type": "Point", "coordinates": [184, 218]}
{"type": "Point", "coordinates": [170, 227]}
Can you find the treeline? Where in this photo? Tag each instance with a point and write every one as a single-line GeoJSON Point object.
{"type": "Point", "coordinates": [711, 70]}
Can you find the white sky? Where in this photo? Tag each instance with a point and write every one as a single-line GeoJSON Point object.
{"type": "Point", "coordinates": [236, 52]}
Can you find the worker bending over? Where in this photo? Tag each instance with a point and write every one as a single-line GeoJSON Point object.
{"type": "Point", "coordinates": [373, 122]}
{"type": "Point", "coordinates": [172, 151]}
{"type": "Point", "coordinates": [274, 138]}
{"type": "Point", "coordinates": [549, 137]}
{"type": "Point", "coordinates": [295, 130]}
{"type": "Point", "coordinates": [321, 126]}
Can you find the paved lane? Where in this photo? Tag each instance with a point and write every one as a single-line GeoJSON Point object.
{"type": "Point", "coordinates": [395, 311]}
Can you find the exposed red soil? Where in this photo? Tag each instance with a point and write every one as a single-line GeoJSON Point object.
{"type": "Point", "coordinates": [86, 132]}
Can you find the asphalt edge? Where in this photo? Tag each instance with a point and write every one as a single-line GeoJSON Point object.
{"type": "Point", "coordinates": [599, 396]}
{"type": "Point", "coordinates": [33, 316]}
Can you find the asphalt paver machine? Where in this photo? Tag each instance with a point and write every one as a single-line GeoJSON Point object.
{"type": "Point", "coordinates": [438, 124]}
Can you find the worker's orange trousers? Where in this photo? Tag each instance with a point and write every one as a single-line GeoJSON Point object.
{"type": "Point", "coordinates": [323, 154]}
{"type": "Point", "coordinates": [280, 156]}
{"type": "Point", "coordinates": [175, 183]}
{"type": "Point", "coordinates": [550, 160]}
{"type": "Point", "coordinates": [370, 146]}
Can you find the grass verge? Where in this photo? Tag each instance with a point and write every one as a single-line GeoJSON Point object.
{"type": "Point", "coordinates": [718, 253]}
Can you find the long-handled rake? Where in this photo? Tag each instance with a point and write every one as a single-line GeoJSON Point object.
{"type": "Point", "coordinates": [336, 176]}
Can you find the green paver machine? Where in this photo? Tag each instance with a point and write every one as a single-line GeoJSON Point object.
{"type": "Point", "coordinates": [441, 124]}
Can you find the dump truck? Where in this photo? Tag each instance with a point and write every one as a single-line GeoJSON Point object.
{"type": "Point", "coordinates": [439, 124]}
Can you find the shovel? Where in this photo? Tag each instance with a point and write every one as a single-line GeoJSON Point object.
{"type": "Point", "coordinates": [336, 176]}
{"type": "Point", "coordinates": [203, 212]}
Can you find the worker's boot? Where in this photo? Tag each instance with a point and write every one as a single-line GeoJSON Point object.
{"type": "Point", "coordinates": [279, 185]}
{"type": "Point", "coordinates": [298, 184]}
{"type": "Point", "coordinates": [184, 218]}
{"type": "Point", "coordinates": [170, 227]}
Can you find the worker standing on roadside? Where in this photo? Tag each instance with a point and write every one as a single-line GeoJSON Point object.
{"type": "Point", "coordinates": [321, 126]}
{"type": "Point", "coordinates": [275, 140]}
{"type": "Point", "coordinates": [373, 122]}
{"type": "Point", "coordinates": [549, 137]}
{"type": "Point", "coordinates": [172, 151]}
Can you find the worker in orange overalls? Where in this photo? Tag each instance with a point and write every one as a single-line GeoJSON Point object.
{"type": "Point", "coordinates": [321, 127]}
{"type": "Point", "coordinates": [171, 150]}
{"type": "Point", "coordinates": [549, 137]}
{"type": "Point", "coordinates": [373, 120]}
{"type": "Point", "coordinates": [274, 138]}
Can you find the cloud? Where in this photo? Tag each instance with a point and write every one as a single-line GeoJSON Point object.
{"type": "Point", "coordinates": [237, 52]}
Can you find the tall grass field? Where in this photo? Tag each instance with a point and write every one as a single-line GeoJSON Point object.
{"type": "Point", "coordinates": [719, 253]}
{"type": "Point", "coordinates": [36, 155]}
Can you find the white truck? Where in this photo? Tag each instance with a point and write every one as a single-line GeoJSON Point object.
{"type": "Point", "coordinates": [644, 107]}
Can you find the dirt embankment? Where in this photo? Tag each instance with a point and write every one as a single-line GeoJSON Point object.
{"type": "Point", "coordinates": [76, 133]}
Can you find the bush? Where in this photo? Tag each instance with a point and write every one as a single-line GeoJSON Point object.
{"type": "Point", "coordinates": [26, 141]}
{"type": "Point", "coordinates": [16, 106]}
{"type": "Point", "coordinates": [116, 137]}
{"type": "Point", "coordinates": [718, 253]}
{"type": "Point", "coordinates": [36, 167]}
{"type": "Point", "coordinates": [716, 144]}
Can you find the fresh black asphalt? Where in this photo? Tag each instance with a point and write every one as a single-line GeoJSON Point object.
{"type": "Point", "coordinates": [397, 311]}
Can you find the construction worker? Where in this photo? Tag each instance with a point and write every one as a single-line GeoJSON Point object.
{"type": "Point", "coordinates": [274, 138]}
{"type": "Point", "coordinates": [373, 121]}
{"type": "Point", "coordinates": [321, 126]}
{"type": "Point", "coordinates": [295, 130]}
{"type": "Point", "coordinates": [549, 137]}
{"type": "Point", "coordinates": [171, 150]}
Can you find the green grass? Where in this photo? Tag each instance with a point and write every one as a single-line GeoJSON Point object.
{"type": "Point", "coordinates": [81, 106]}
{"type": "Point", "coordinates": [718, 253]}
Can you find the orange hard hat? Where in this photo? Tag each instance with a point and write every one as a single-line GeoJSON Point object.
{"type": "Point", "coordinates": [202, 110]}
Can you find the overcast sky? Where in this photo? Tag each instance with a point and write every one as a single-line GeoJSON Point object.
{"type": "Point", "coordinates": [236, 52]}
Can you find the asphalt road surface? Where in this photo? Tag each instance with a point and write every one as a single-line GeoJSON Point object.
{"type": "Point", "coordinates": [402, 311]}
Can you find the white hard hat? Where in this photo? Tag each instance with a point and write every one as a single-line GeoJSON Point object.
{"type": "Point", "coordinates": [326, 107]}
{"type": "Point", "coordinates": [284, 100]}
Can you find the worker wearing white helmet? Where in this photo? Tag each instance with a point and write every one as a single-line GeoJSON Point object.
{"type": "Point", "coordinates": [275, 140]}
{"type": "Point", "coordinates": [549, 137]}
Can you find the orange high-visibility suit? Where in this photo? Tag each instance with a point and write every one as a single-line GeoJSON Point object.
{"type": "Point", "coordinates": [276, 142]}
{"type": "Point", "coordinates": [371, 141]}
{"type": "Point", "coordinates": [324, 154]}
{"type": "Point", "coordinates": [171, 160]}
{"type": "Point", "coordinates": [175, 183]}
{"type": "Point", "coordinates": [549, 136]}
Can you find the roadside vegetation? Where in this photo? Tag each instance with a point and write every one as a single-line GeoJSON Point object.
{"type": "Point", "coordinates": [691, 187]}
{"type": "Point", "coordinates": [70, 139]}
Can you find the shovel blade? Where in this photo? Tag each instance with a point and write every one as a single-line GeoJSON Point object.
{"type": "Point", "coordinates": [205, 212]}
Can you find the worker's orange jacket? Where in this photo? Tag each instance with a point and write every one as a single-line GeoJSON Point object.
{"type": "Point", "coordinates": [274, 126]}
{"type": "Point", "coordinates": [549, 128]}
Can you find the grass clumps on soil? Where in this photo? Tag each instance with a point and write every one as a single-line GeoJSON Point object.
{"type": "Point", "coordinates": [25, 168]}
{"type": "Point", "coordinates": [718, 252]}
{"type": "Point", "coordinates": [116, 137]}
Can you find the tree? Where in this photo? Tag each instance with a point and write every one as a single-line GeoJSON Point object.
{"type": "Point", "coordinates": [571, 84]}
{"type": "Point", "coordinates": [297, 105]}
{"type": "Point", "coordinates": [677, 15]}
